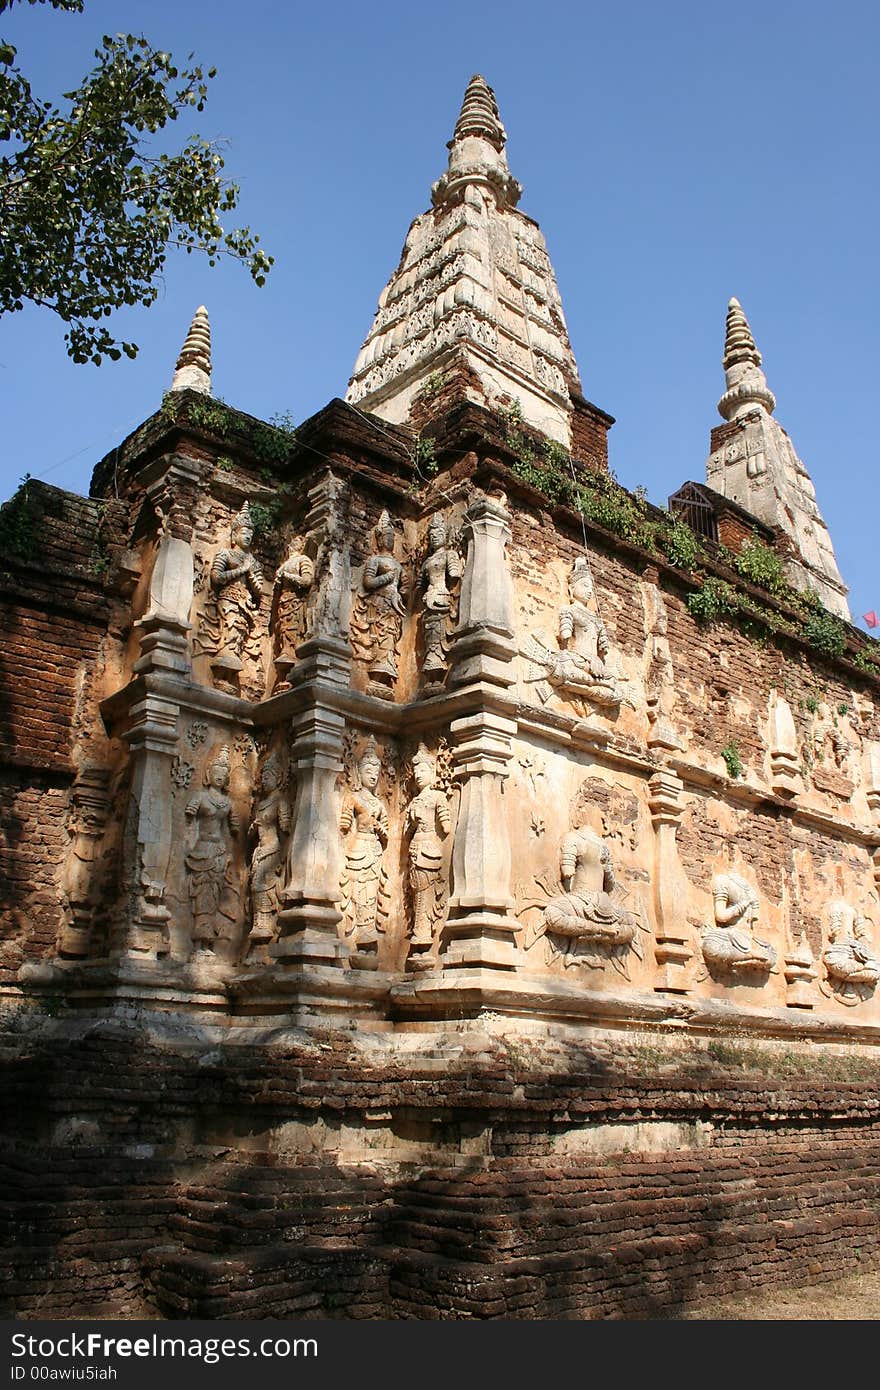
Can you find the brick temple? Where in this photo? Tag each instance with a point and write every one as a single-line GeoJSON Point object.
{"type": "Point", "coordinates": [437, 883]}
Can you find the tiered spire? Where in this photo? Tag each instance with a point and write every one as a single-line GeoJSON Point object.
{"type": "Point", "coordinates": [754, 463]}
{"type": "Point", "coordinates": [193, 370]}
{"type": "Point", "coordinates": [474, 296]}
{"type": "Point", "coordinates": [746, 383]}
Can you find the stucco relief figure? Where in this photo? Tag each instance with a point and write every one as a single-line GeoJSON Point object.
{"type": "Point", "coordinates": [364, 823]}
{"type": "Point", "coordinates": [82, 878]}
{"type": "Point", "coordinates": [271, 820]}
{"type": "Point", "coordinates": [212, 894]}
{"type": "Point", "coordinates": [428, 820]}
{"type": "Point", "coordinates": [440, 573]}
{"type": "Point", "coordinates": [377, 619]}
{"type": "Point", "coordinates": [730, 944]}
{"type": "Point", "coordinates": [237, 581]}
{"type": "Point", "coordinates": [290, 607]}
{"type": "Point", "coordinates": [852, 967]}
{"type": "Point", "coordinates": [586, 925]}
{"type": "Point", "coordinates": [579, 670]}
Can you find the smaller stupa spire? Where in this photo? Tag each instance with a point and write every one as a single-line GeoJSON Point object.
{"type": "Point", "coordinates": [476, 152]}
{"type": "Point", "coordinates": [746, 383]}
{"type": "Point", "coordinates": [193, 371]}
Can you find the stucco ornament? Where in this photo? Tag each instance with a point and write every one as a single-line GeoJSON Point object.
{"type": "Point", "coordinates": [852, 968]}
{"type": "Point", "coordinates": [213, 893]}
{"type": "Point", "coordinates": [730, 944]}
{"type": "Point", "coordinates": [377, 618]}
{"type": "Point", "coordinates": [428, 821]}
{"type": "Point", "coordinates": [579, 669]}
{"type": "Point", "coordinates": [271, 821]}
{"type": "Point", "coordinates": [364, 824]}
{"type": "Point", "coordinates": [440, 573]}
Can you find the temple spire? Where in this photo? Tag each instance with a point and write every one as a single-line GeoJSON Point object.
{"type": "Point", "coordinates": [753, 462]}
{"type": "Point", "coordinates": [193, 371]}
{"type": "Point", "coordinates": [473, 304]}
{"type": "Point", "coordinates": [746, 383]}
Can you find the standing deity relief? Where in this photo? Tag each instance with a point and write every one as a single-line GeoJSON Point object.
{"type": "Point", "coordinates": [579, 669]}
{"type": "Point", "coordinates": [439, 577]}
{"type": "Point", "coordinates": [228, 629]}
{"type": "Point", "coordinates": [586, 925]}
{"type": "Point", "coordinates": [427, 823]}
{"type": "Point", "coordinates": [214, 891]}
{"type": "Point", "coordinates": [289, 621]}
{"type": "Point", "coordinates": [363, 823]}
{"type": "Point", "coordinates": [378, 612]}
{"type": "Point", "coordinates": [270, 824]}
{"type": "Point", "coordinates": [83, 875]}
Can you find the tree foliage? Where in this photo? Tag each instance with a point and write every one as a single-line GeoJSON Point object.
{"type": "Point", "coordinates": [89, 209]}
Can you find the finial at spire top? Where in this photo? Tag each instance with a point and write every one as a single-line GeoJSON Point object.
{"type": "Point", "coordinates": [746, 384]}
{"type": "Point", "coordinates": [193, 370]}
{"type": "Point", "coordinates": [476, 152]}
{"type": "Point", "coordinates": [479, 114]}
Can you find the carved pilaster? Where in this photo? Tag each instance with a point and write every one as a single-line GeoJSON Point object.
{"type": "Point", "coordinates": [480, 930]}
{"type": "Point", "coordinates": [673, 949]}
{"type": "Point", "coordinates": [165, 625]}
{"type": "Point", "coordinates": [310, 897]}
{"type": "Point", "coordinates": [152, 740]}
{"type": "Point", "coordinates": [483, 646]}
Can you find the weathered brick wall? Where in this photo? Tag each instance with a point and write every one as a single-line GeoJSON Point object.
{"type": "Point", "coordinates": [232, 1181]}
{"type": "Point", "coordinates": [589, 434]}
{"type": "Point", "coordinates": [33, 813]}
{"type": "Point", "coordinates": [54, 612]}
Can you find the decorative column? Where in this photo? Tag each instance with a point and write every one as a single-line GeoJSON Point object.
{"type": "Point", "coordinates": [673, 949]}
{"type": "Point", "coordinates": [800, 972]}
{"type": "Point", "coordinates": [310, 913]}
{"type": "Point", "coordinates": [152, 740]}
{"type": "Point", "coordinates": [785, 775]}
{"type": "Point", "coordinates": [480, 930]}
{"type": "Point", "coordinates": [483, 647]}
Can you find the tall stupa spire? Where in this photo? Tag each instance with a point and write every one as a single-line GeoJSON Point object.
{"type": "Point", "coordinates": [753, 462]}
{"type": "Point", "coordinates": [193, 371]}
{"type": "Point", "coordinates": [474, 297]}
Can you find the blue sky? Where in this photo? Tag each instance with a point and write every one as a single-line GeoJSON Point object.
{"type": "Point", "coordinates": [674, 155]}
